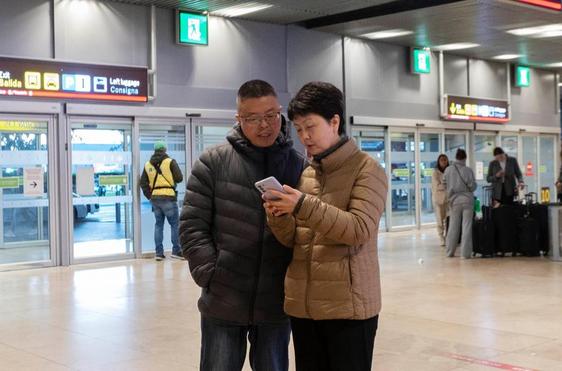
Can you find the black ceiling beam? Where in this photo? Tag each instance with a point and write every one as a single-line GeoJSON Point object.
{"type": "Point", "coordinates": [374, 11]}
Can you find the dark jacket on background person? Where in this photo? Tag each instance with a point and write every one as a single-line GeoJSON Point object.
{"type": "Point", "coordinates": [512, 174]}
{"type": "Point", "coordinates": [156, 160]}
{"type": "Point", "coordinates": [231, 251]}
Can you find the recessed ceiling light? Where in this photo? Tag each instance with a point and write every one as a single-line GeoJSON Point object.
{"type": "Point", "coordinates": [242, 9]}
{"type": "Point", "coordinates": [387, 34]}
{"type": "Point", "coordinates": [549, 30]}
{"type": "Point", "coordinates": [506, 57]}
{"type": "Point", "coordinates": [456, 46]}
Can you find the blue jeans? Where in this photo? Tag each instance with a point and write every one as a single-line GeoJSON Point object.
{"type": "Point", "coordinates": [165, 209]}
{"type": "Point", "coordinates": [223, 346]}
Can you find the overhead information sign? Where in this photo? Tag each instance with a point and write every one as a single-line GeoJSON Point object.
{"type": "Point", "coordinates": [13, 126]}
{"type": "Point", "coordinates": [548, 4]}
{"type": "Point", "coordinates": [192, 28]}
{"type": "Point", "coordinates": [61, 80]}
{"type": "Point", "coordinates": [476, 110]}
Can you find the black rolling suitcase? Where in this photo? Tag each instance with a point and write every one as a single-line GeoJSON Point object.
{"type": "Point", "coordinates": [539, 212]}
{"type": "Point", "coordinates": [483, 234]}
{"type": "Point", "coordinates": [528, 228]}
{"type": "Point", "coordinates": [506, 218]}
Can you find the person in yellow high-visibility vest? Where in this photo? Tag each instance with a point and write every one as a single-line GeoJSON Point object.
{"type": "Point", "coordinates": [158, 183]}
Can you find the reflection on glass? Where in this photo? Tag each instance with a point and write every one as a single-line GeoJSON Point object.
{"type": "Point", "coordinates": [453, 142]}
{"type": "Point", "coordinates": [484, 145]}
{"type": "Point", "coordinates": [547, 173]}
{"type": "Point", "coordinates": [372, 142]}
{"type": "Point", "coordinates": [509, 145]}
{"type": "Point", "coordinates": [206, 136]}
{"type": "Point", "coordinates": [430, 148]}
{"type": "Point", "coordinates": [403, 199]}
{"type": "Point", "coordinates": [101, 182]}
{"type": "Point", "coordinates": [24, 210]}
{"type": "Point", "coordinates": [530, 162]}
{"type": "Point", "coordinates": [174, 137]}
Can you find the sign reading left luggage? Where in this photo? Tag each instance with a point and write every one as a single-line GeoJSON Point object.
{"type": "Point", "coordinates": [62, 80]}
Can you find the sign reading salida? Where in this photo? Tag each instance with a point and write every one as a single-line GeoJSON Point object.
{"type": "Point", "coordinates": [64, 80]}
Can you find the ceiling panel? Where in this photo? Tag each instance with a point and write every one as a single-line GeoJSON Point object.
{"type": "Point", "coordinates": [478, 21]}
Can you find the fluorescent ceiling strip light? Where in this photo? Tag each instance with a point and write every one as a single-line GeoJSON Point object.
{"type": "Point", "coordinates": [242, 9]}
{"type": "Point", "coordinates": [387, 34]}
{"type": "Point", "coordinates": [554, 65]}
{"type": "Point", "coordinates": [506, 57]}
{"type": "Point", "coordinates": [456, 46]}
{"type": "Point", "coordinates": [549, 30]}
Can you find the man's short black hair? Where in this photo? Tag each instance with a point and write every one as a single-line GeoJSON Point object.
{"type": "Point", "coordinates": [498, 151]}
{"type": "Point", "coordinates": [461, 155]}
{"type": "Point", "coordinates": [320, 98]}
{"type": "Point", "coordinates": [256, 89]}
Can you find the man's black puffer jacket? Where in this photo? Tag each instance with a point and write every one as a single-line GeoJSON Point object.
{"type": "Point", "coordinates": [232, 254]}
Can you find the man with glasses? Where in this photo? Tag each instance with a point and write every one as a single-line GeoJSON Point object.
{"type": "Point", "coordinates": [232, 254]}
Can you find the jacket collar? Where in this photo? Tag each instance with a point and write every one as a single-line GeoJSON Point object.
{"type": "Point", "coordinates": [336, 159]}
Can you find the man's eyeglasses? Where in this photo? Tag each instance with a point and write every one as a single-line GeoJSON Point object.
{"type": "Point", "coordinates": [254, 120]}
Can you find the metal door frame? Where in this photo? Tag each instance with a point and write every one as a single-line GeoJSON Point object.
{"type": "Point", "coordinates": [67, 213]}
{"type": "Point", "coordinates": [138, 123]}
{"type": "Point", "coordinates": [53, 149]}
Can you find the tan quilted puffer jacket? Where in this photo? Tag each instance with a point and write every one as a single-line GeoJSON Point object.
{"type": "Point", "coordinates": [334, 273]}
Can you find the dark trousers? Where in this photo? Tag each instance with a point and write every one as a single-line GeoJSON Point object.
{"type": "Point", "coordinates": [506, 199]}
{"type": "Point", "coordinates": [334, 345]}
{"type": "Point", "coordinates": [223, 346]}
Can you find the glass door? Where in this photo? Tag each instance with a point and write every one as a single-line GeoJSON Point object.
{"type": "Point", "coordinates": [484, 144]}
{"type": "Point", "coordinates": [453, 142]}
{"type": "Point", "coordinates": [548, 173]}
{"type": "Point", "coordinates": [207, 133]}
{"type": "Point", "coordinates": [174, 135]}
{"type": "Point", "coordinates": [430, 146]}
{"type": "Point", "coordinates": [529, 164]}
{"type": "Point", "coordinates": [26, 191]}
{"type": "Point", "coordinates": [102, 198]}
{"type": "Point", "coordinates": [372, 141]}
{"type": "Point", "coordinates": [509, 143]}
{"type": "Point", "coordinates": [403, 177]}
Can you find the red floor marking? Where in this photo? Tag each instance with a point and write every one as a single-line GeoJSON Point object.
{"type": "Point", "coordinates": [483, 362]}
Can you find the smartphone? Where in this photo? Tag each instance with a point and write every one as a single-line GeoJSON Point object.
{"type": "Point", "coordinates": [269, 184]}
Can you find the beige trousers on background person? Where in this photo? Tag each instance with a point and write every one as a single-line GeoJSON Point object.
{"type": "Point", "coordinates": [440, 218]}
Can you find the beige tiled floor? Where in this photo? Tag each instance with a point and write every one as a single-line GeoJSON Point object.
{"type": "Point", "coordinates": [142, 315]}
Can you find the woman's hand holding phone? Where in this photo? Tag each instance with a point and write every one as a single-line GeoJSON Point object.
{"type": "Point", "coordinates": [281, 203]}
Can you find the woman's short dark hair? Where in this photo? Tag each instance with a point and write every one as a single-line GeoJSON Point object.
{"type": "Point", "coordinates": [256, 89]}
{"type": "Point", "coordinates": [461, 154]}
{"type": "Point", "coordinates": [320, 98]}
{"type": "Point", "coordinates": [498, 151]}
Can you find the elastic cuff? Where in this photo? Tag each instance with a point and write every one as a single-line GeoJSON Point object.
{"type": "Point", "coordinates": [299, 204]}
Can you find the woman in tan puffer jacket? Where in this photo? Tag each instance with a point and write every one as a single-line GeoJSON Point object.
{"type": "Point", "coordinates": [332, 286]}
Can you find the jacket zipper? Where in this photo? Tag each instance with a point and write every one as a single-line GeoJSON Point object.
{"type": "Point", "coordinates": [260, 252]}
{"type": "Point", "coordinates": [309, 258]}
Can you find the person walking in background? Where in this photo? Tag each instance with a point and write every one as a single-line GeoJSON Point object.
{"type": "Point", "coordinates": [505, 176]}
{"type": "Point", "coordinates": [232, 254]}
{"type": "Point", "coordinates": [460, 184]}
{"type": "Point", "coordinates": [439, 193]}
{"type": "Point", "coordinates": [158, 184]}
{"type": "Point", "coordinates": [332, 288]}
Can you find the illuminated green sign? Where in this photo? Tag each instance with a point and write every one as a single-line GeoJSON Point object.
{"type": "Point", "coordinates": [10, 182]}
{"type": "Point", "coordinates": [420, 61]}
{"type": "Point", "coordinates": [522, 76]}
{"type": "Point", "coordinates": [192, 28]}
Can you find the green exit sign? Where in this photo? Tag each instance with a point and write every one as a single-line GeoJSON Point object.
{"type": "Point", "coordinates": [420, 60]}
{"type": "Point", "coordinates": [522, 76]}
{"type": "Point", "coordinates": [192, 28]}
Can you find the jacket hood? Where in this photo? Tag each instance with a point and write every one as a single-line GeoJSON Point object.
{"type": "Point", "coordinates": [239, 141]}
{"type": "Point", "coordinates": [158, 157]}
